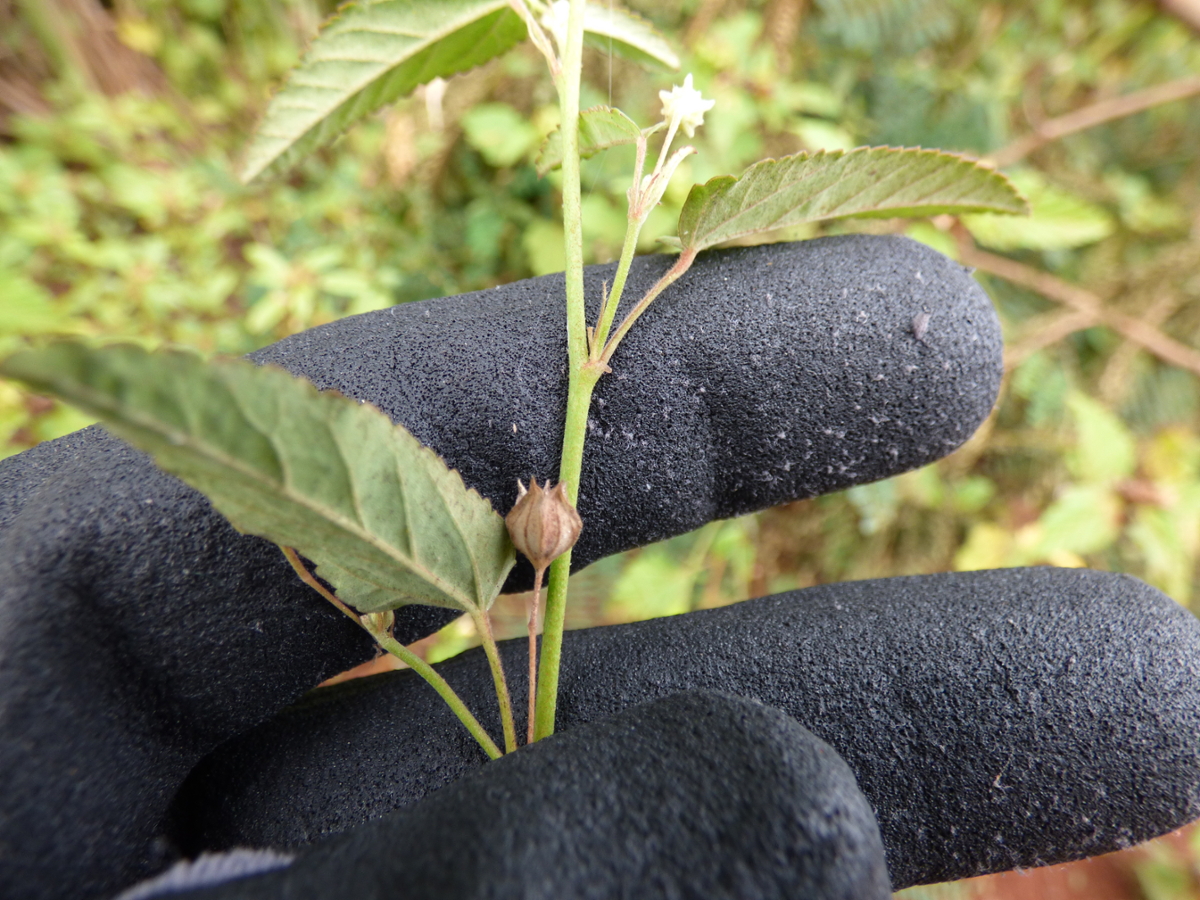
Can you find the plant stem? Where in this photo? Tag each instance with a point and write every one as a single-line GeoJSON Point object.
{"type": "Point", "coordinates": [579, 399]}
{"type": "Point", "coordinates": [552, 635]}
{"type": "Point", "coordinates": [632, 230]}
{"type": "Point", "coordinates": [307, 577]}
{"type": "Point", "coordinates": [572, 69]}
{"type": "Point", "coordinates": [483, 623]}
{"type": "Point", "coordinates": [581, 378]}
{"type": "Point", "coordinates": [669, 277]}
{"type": "Point", "coordinates": [531, 708]}
{"type": "Point", "coordinates": [438, 683]}
{"type": "Point", "coordinates": [402, 653]}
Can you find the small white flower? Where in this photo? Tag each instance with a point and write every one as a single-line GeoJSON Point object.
{"type": "Point", "coordinates": [555, 21]}
{"type": "Point", "coordinates": [684, 107]}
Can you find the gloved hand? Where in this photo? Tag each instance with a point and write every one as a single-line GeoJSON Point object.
{"type": "Point", "coordinates": [1052, 717]}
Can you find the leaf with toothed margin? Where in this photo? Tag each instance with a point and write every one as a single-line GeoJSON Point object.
{"type": "Point", "coordinates": [600, 127]}
{"type": "Point", "coordinates": [368, 55]}
{"type": "Point", "coordinates": [375, 51]}
{"type": "Point", "coordinates": [385, 520]}
{"type": "Point", "coordinates": [607, 27]}
{"type": "Point", "coordinates": [869, 181]}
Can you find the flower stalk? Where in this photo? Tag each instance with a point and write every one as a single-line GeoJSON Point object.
{"type": "Point", "coordinates": [543, 525]}
{"type": "Point", "coordinates": [580, 382]}
{"type": "Point", "coordinates": [590, 349]}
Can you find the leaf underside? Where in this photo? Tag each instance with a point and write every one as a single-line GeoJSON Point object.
{"type": "Point", "coordinates": [869, 181]}
{"type": "Point", "coordinates": [384, 519]}
{"type": "Point", "coordinates": [607, 27]}
{"type": "Point", "coordinates": [600, 127]}
{"type": "Point", "coordinates": [368, 56]}
{"type": "Point", "coordinates": [376, 51]}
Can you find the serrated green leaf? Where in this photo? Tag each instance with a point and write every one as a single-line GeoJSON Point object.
{"type": "Point", "coordinates": [369, 55]}
{"type": "Point", "coordinates": [383, 518]}
{"type": "Point", "coordinates": [376, 51]}
{"type": "Point", "coordinates": [606, 27]}
{"type": "Point", "coordinates": [870, 181]}
{"type": "Point", "coordinates": [600, 127]}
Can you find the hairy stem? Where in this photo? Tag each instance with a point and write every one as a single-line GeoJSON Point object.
{"type": "Point", "coordinates": [572, 68]}
{"type": "Point", "coordinates": [670, 277]}
{"type": "Point", "coordinates": [579, 399]}
{"type": "Point", "coordinates": [632, 230]}
{"type": "Point", "coordinates": [402, 653]}
{"type": "Point", "coordinates": [581, 379]}
{"type": "Point", "coordinates": [531, 709]}
{"type": "Point", "coordinates": [438, 683]}
{"type": "Point", "coordinates": [483, 623]}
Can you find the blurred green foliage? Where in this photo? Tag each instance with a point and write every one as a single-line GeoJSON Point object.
{"type": "Point", "coordinates": [1170, 870]}
{"type": "Point", "coordinates": [120, 216]}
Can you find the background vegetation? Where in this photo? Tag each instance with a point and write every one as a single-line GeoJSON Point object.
{"type": "Point", "coordinates": [121, 124]}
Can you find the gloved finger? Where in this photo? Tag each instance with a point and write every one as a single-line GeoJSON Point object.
{"type": "Point", "coordinates": [773, 373]}
{"type": "Point", "coordinates": [994, 720]}
{"type": "Point", "coordinates": [693, 795]}
{"type": "Point", "coordinates": [765, 375]}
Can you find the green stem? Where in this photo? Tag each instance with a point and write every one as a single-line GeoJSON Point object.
{"type": "Point", "coordinates": [572, 69]}
{"type": "Point", "coordinates": [632, 230]}
{"type": "Point", "coordinates": [402, 653]}
{"type": "Point", "coordinates": [552, 636]}
{"type": "Point", "coordinates": [483, 625]}
{"type": "Point", "coordinates": [581, 379]}
{"type": "Point", "coordinates": [669, 278]}
{"type": "Point", "coordinates": [579, 400]}
{"type": "Point", "coordinates": [438, 683]}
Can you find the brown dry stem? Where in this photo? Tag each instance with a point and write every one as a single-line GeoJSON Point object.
{"type": "Point", "coordinates": [534, 605]}
{"type": "Point", "coordinates": [1091, 308]}
{"type": "Point", "coordinates": [1095, 114]}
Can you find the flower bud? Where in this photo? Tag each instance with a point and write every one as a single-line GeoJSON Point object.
{"type": "Point", "coordinates": [543, 524]}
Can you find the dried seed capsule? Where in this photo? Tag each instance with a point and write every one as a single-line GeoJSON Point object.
{"type": "Point", "coordinates": [543, 524]}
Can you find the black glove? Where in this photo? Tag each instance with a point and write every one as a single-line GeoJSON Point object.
{"type": "Point", "coordinates": [696, 795]}
{"type": "Point", "coordinates": [994, 720]}
{"type": "Point", "coordinates": [763, 376]}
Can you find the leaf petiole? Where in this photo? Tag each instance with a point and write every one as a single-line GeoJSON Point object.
{"type": "Point", "coordinates": [669, 277]}
{"type": "Point", "coordinates": [307, 577]}
{"type": "Point", "coordinates": [538, 36]}
{"type": "Point", "coordinates": [483, 624]}
{"type": "Point", "coordinates": [438, 683]}
{"type": "Point", "coordinates": [402, 653]}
